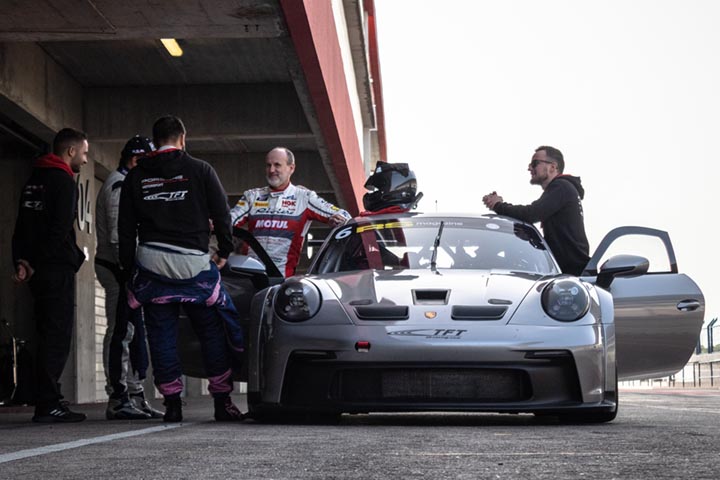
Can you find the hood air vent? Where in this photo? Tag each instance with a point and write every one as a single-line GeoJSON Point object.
{"type": "Point", "coordinates": [382, 312]}
{"type": "Point", "coordinates": [479, 312]}
{"type": "Point", "coordinates": [430, 297]}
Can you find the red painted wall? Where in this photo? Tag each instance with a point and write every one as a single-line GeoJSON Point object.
{"type": "Point", "coordinates": [369, 6]}
{"type": "Point", "coordinates": [312, 29]}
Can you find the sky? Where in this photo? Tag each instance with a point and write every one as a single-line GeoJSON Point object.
{"type": "Point", "coordinates": [628, 90]}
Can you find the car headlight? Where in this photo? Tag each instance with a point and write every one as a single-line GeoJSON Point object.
{"type": "Point", "coordinates": [297, 300]}
{"type": "Point", "coordinates": [565, 300]}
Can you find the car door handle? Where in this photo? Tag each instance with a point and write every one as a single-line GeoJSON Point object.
{"type": "Point", "coordinates": [688, 305]}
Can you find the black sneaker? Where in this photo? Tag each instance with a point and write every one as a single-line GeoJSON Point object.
{"type": "Point", "coordinates": [227, 411]}
{"type": "Point", "coordinates": [173, 410]}
{"type": "Point", "coordinates": [58, 414]}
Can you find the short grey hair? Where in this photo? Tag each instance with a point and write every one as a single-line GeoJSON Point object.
{"type": "Point", "coordinates": [289, 154]}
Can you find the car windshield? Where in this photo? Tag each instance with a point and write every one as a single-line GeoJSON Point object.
{"type": "Point", "coordinates": [409, 243]}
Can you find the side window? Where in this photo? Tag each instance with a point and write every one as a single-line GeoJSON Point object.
{"type": "Point", "coordinates": [329, 259]}
{"type": "Point", "coordinates": [354, 256]}
{"type": "Point", "coordinates": [651, 248]}
{"type": "Point", "coordinates": [343, 254]}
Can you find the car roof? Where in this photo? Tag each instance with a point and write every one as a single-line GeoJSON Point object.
{"type": "Point", "coordinates": [438, 216]}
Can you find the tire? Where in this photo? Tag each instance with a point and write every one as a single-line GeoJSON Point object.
{"type": "Point", "coordinates": [272, 417]}
{"type": "Point", "coordinates": [588, 417]}
{"type": "Point", "coordinates": [267, 417]}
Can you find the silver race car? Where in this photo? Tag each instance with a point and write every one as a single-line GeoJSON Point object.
{"type": "Point", "coordinates": [419, 312]}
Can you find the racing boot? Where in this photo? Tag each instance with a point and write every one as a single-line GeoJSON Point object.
{"type": "Point", "coordinates": [226, 410]}
{"type": "Point", "coordinates": [173, 409]}
{"type": "Point", "coordinates": [138, 399]}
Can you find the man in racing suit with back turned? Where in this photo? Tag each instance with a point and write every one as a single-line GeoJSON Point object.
{"type": "Point", "coordinates": [167, 203]}
{"type": "Point", "coordinates": [279, 214]}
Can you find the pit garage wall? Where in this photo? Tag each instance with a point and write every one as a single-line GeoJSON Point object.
{"type": "Point", "coordinates": [15, 303]}
{"type": "Point", "coordinates": [40, 97]}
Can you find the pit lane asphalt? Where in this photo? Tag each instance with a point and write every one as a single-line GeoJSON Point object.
{"type": "Point", "coordinates": [659, 434]}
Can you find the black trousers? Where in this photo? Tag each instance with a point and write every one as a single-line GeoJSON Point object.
{"type": "Point", "coordinates": [54, 295]}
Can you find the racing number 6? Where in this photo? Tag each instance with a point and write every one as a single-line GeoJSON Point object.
{"type": "Point", "coordinates": [345, 232]}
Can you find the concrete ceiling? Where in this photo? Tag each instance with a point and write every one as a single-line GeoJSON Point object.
{"type": "Point", "coordinates": [117, 43]}
{"type": "Point", "coordinates": [142, 62]}
{"type": "Point", "coordinates": [46, 20]}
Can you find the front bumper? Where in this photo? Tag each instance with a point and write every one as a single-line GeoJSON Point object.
{"type": "Point", "coordinates": [501, 368]}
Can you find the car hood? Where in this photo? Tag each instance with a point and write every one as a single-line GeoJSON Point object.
{"type": "Point", "coordinates": [420, 289]}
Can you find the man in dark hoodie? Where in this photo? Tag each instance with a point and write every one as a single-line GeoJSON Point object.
{"type": "Point", "coordinates": [559, 209]}
{"type": "Point", "coordinates": [46, 256]}
{"type": "Point", "coordinates": [168, 202]}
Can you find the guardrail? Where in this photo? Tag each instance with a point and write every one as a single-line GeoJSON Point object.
{"type": "Point", "coordinates": [701, 371]}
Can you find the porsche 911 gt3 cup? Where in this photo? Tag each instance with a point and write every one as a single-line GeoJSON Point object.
{"type": "Point", "coordinates": [419, 312]}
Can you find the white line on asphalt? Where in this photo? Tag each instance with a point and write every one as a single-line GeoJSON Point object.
{"type": "Point", "coordinates": [526, 454]}
{"type": "Point", "coordinates": [34, 452]}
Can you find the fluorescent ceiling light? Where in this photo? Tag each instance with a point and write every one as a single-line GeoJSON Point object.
{"type": "Point", "coordinates": [172, 47]}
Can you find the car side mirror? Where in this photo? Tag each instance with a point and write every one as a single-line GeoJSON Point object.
{"type": "Point", "coordinates": [249, 267]}
{"type": "Point", "coordinates": [621, 266]}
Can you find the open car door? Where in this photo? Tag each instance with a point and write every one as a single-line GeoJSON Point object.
{"type": "Point", "coordinates": [242, 278]}
{"type": "Point", "coordinates": [658, 315]}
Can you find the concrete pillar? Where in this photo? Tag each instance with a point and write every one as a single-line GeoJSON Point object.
{"type": "Point", "coordinates": [83, 359]}
{"type": "Point", "coordinates": [36, 92]}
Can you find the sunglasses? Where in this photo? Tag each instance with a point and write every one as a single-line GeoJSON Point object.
{"type": "Point", "coordinates": [535, 162]}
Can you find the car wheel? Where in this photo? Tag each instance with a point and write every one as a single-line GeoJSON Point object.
{"type": "Point", "coordinates": [264, 417]}
{"type": "Point", "coordinates": [588, 417]}
{"type": "Point", "coordinates": [294, 418]}
{"type": "Point", "coordinates": [261, 414]}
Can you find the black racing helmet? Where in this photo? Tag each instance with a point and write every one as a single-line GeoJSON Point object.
{"type": "Point", "coordinates": [392, 184]}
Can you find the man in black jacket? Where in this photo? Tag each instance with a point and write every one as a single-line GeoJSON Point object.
{"type": "Point", "coordinates": [168, 202]}
{"type": "Point", "coordinates": [559, 209]}
{"type": "Point", "coordinates": [46, 256]}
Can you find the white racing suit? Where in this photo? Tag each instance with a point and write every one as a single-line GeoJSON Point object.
{"type": "Point", "coordinates": [280, 219]}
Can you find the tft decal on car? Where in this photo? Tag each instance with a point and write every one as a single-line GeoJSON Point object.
{"type": "Point", "coordinates": [446, 333]}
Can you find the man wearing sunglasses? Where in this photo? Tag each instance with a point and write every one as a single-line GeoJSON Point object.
{"type": "Point", "coordinates": [559, 208]}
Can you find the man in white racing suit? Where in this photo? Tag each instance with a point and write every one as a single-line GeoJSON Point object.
{"type": "Point", "coordinates": [279, 214]}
